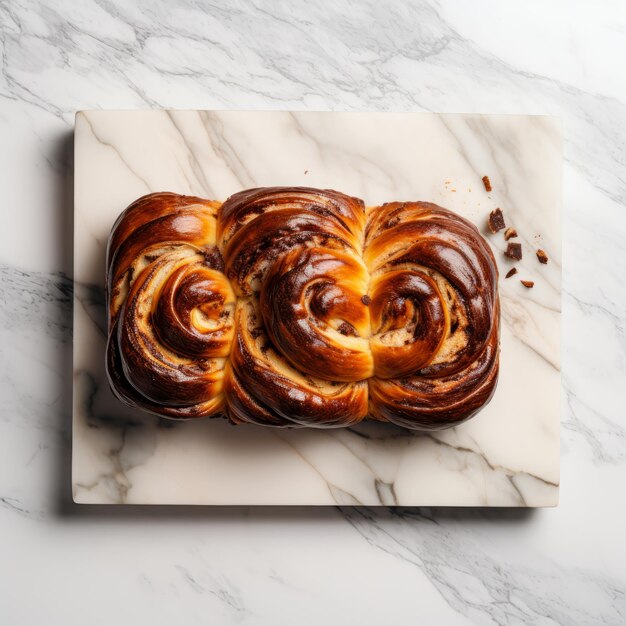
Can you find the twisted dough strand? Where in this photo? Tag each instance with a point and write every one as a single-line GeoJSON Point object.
{"type": "Point", "coordinates": [301, 356]}
{"type": "Point", "coordinates": [435, 316]}
{"type": "Point", "coordinates": [171, 308]}
{"type": "Point", "coordinates": [297, 307]}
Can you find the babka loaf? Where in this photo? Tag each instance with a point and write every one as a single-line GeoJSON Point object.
{"type": "Point", "coordinates": [294, 306]}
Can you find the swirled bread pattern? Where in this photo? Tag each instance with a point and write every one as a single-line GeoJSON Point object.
{"type": "Point", "coordinates": [294, 306]}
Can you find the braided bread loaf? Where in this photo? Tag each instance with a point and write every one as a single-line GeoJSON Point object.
{"type": "Point", "coordinates": [293, 306]}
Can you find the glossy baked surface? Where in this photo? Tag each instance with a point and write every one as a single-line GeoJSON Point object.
{"type": "Point", "coordinates": [300, 307]}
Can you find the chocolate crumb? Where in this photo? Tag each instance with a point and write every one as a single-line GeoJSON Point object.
{"type": "Point", "coordinates": [496, 221]}
{"type": "Point", "coordinates": [487, 183]}
{"type": "Point", "coordinates": [306, 171]}
{"type": "Point", "coordinates": [256, 332]}
{"type": "Point", "coordinates": [213, 258]}
{"type": "Point", "coordinates": [366, 300]}
{"type": "Point", "coordinates": [511, 272]}
{"type": "Point", "coordinates": [347, 329]}
{"type": "Point", "coordinates": [529, 284]}
{"type": "Point", "coordinates": [542, 256]}
{"type": "Point", "coordinates": [509, 233]}
{"type": "Point", "coordinates": [514, 251]}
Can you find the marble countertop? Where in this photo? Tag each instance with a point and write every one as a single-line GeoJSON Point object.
{"type": "Point", "coordinates": [63, 563]}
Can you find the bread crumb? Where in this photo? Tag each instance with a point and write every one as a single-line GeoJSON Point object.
{"type": "Point", "coordinates": [509, 233]}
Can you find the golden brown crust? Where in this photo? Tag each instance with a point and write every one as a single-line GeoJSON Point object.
{"type": "Point", "coordinates": [257, 226]}
{"type": "Point", "coordinates": [171, 308]}
{"type": "Point", "coordinates": [334, 311]}
{"type": "Point", "coordinates": [262, 386]}
{"type": "Point", "coordinates": [440, 317]}
{"type": "Point", "coordinates": [302, 354]}
{"type": "Point", "coordinates": [312, 299]}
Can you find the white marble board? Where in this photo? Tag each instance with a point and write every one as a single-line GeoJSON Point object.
{"type": "Point", "coordinates": [506, 456]}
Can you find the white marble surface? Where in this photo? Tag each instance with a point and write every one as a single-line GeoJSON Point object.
{"type": "Point", "coordinates": [508, 455]}
{"type": "Point", "coordinates": [64, 564]}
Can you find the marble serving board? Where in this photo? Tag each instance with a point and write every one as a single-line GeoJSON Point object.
{"type": "Point", "coordinates": [508, 455]}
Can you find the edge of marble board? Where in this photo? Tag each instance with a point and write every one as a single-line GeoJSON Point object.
{"type": "Point", "coordinates": [555, 118]}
